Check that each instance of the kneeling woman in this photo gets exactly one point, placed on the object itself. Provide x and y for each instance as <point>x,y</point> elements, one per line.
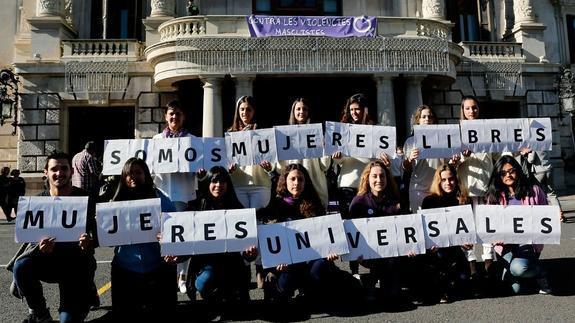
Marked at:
<point>377,196</point>
<point>222,276</point>
<point>448,265</point>
<point>296,199</point>
<point>508,185</point>
<point>143,281</point>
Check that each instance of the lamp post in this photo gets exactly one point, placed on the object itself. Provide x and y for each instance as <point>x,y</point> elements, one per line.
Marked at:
<point>9,97</point>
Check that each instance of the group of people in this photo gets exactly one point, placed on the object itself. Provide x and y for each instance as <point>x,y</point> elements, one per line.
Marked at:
<point>145,284</point>
<point>12,186</point>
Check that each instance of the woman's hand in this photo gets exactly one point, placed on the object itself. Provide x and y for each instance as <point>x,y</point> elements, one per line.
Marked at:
<point>467,246</point>
<point>282,267</point>
<point>201,173</point>
<point>336,155</point>
<point>170,259</point>
<point>266,166</point>
<point>413,155</point>
<point>454,159</point>
<point>232,168</point>
<point>434,249</point>
<point>85,241</point>
<point>332,257</point>
<point>385,159</point>
<point>411,254</point>
<point>467,153</point>
<point>47,245</point>
<point>250,253</point>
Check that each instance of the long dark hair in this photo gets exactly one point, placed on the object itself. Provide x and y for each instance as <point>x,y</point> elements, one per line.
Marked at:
<point>521,187</point>
<point>361,101</point>
<point>145,191</point>
<point>310,203</point>
<point>238,124</point>
<point>220,174</point>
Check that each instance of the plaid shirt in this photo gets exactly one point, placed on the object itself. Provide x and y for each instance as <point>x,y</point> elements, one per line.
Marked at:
<point>86,171</point>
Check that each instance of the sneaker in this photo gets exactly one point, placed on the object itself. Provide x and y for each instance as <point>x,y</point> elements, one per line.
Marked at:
<point>543,286</point>
<point>444,299</point>
<point>39,317</point>
<point>182,286</point>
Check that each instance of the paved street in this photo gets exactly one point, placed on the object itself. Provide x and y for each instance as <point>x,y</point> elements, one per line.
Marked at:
<point>558,260</point>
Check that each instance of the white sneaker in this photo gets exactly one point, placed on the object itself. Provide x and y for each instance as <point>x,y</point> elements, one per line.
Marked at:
<point>356,276</point>
<point>182,286</point>
<point>543,286</point>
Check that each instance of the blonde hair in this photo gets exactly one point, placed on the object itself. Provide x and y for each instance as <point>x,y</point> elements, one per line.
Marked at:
<point>305,102</point>
<point>390,190</point>
<point>417,115</point>
<point>435,187</point>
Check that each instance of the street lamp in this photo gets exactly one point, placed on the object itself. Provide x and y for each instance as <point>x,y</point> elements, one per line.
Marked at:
<point>9,97</point>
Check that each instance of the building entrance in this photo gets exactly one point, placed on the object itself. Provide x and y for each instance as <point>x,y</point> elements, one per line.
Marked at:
<point>327,96</point>
<point>98,124</point>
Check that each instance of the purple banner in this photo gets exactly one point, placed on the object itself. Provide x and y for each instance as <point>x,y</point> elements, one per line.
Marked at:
<point>327,26</point>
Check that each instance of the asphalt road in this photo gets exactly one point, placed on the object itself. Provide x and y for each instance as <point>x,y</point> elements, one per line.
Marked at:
<point>558,260</point>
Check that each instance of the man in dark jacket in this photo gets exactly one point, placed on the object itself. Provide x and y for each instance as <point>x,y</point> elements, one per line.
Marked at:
<point>69,264</point>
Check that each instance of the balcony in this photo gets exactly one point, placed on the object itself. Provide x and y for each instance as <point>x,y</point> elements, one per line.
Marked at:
<point>493,52</point>
<point>216,45</point>
<point>101,50</point>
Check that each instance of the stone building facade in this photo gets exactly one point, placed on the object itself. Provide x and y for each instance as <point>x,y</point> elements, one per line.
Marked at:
<point>96,70</point>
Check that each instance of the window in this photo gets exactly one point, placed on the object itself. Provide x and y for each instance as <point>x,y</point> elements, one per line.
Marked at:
<point>297,7</point>
<point>571,37</point>
<point>123,19</point>
<point>472,19</point>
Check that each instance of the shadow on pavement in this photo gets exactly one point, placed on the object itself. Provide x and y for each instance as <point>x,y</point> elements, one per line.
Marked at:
<point>560,275</point>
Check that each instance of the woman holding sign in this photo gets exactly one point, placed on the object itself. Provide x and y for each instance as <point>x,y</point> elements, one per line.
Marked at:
<point>378,196</point>
<point>253,183</point>
<point>355,111</point>
<point>179,187</point>
<point>143,281</point>
<point>447,265</point>
<point>508,185</point>
<point>422,170</point>
<point>300,114</point>
<point>474,170</point>
<point>296,199</point>
<point>220,276</point>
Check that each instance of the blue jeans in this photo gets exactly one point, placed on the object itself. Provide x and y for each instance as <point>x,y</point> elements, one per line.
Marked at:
<point>74,277</point>
<point>221,275</point>
<point>521,262</point>
<point>310,276</point>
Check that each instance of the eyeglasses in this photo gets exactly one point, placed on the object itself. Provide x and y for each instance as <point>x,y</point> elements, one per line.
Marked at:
<point>510,172</point>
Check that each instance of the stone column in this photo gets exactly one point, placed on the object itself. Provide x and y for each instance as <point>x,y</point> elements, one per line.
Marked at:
<point>385,101</point>
<point>212,121</point>
<point>529,32</point>
<point>47,8</point>
<point>413,98</point>
<point>163,8</point>
<point>523,11</point>
<point>244,85</point>
<point>433,9</point>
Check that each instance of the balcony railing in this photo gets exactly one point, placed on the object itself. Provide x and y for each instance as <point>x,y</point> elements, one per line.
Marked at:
<point>102,50</point>
<point>196,26</point>
<point>491,51</point>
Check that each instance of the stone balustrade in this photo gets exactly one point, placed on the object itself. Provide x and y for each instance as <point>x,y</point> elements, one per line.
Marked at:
<point>195,26</point>
<point>102,49</point>
<point>489,51</point>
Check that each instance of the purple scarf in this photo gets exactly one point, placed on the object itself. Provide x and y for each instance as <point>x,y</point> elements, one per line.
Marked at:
<point>167,133</point>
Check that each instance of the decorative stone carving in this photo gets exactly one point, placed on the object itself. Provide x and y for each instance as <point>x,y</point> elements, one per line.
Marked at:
<point>162,8</point>
<point>432,9</point>
<point>50,8</point>
<point>432,29</point>
<point>523,11</point>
